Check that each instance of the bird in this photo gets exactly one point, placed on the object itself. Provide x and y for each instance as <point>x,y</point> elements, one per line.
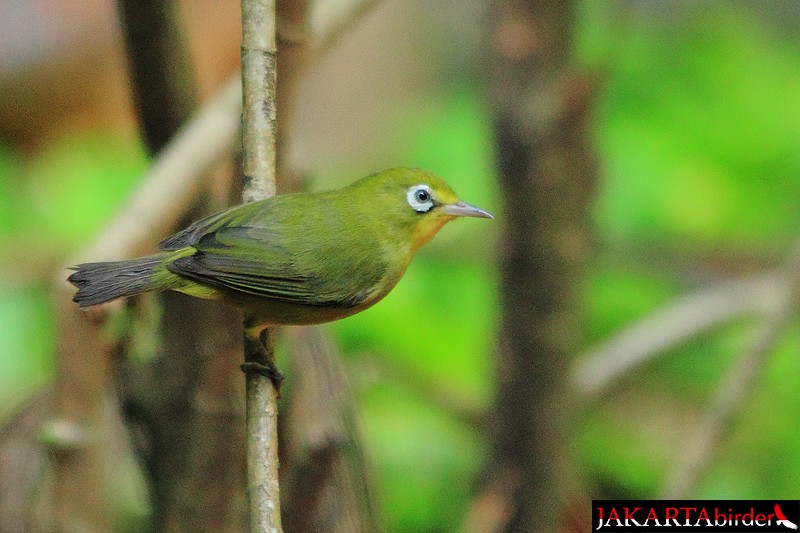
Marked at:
<point>292,259</point>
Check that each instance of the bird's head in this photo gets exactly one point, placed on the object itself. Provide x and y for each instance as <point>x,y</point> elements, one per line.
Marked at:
<point>415,204</point>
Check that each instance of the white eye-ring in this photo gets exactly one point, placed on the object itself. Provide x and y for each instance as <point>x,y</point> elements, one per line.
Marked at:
<point>420,198</point>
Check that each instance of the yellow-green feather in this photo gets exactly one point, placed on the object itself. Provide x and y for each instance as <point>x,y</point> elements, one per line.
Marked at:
<point>292,259</point>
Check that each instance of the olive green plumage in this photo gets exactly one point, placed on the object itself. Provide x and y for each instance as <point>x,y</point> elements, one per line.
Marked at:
<point>292,259</point>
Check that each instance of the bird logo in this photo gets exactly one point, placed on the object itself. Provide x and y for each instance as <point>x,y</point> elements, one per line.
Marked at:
<point>782,520</point>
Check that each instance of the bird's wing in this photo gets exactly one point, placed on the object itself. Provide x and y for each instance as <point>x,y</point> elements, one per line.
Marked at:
<point>255,260</point>
<point>190,235</point>
<point>245,259</point>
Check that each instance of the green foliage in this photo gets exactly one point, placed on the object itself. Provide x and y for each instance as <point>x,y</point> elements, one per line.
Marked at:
<point>445,340</point>
<point>425,460</point>
<point>78,183</point>
<point>614,297</point>
<point>622,451</point>
<point>10,167</point>
<point>696,126</point>
<point>27,340</point>
<point>696,123</point>
<point>450,135</point>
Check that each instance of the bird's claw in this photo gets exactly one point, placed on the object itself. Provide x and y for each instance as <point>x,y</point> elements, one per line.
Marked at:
<point>268,371</point>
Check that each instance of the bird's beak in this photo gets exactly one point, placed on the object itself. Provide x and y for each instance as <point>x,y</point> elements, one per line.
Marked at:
<point>463,209</point>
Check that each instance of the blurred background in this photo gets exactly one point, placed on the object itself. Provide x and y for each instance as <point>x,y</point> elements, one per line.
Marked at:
<point>622,330</point>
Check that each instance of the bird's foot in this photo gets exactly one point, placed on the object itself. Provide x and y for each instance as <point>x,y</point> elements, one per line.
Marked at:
<point>269,371</point>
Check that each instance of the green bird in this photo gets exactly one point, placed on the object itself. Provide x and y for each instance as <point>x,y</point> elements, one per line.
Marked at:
<point>303,258</point>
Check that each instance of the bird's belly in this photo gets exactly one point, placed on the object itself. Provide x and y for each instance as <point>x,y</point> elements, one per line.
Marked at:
<point>273,312</point>
<point>267,311</point>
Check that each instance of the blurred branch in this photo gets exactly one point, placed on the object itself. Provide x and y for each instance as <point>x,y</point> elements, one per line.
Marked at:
<point>163,197</point>
<point>328,488</point>
<point>187,418</point>
<point>162,80</point>
<point>673,324</point>
<point>84,369</point>
<point>546,172</point>
<point>259,124</point>
<point>292,36</point>
<point>79,435</point>
<point>190,425</point>
<point>735,386</point>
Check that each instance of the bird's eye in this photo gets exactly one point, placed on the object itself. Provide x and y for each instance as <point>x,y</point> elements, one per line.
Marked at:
<point>420,198</point>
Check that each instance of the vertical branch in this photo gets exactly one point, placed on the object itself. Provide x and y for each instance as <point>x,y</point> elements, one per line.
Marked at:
<point>262,437</point>
<point>545,170</point>
<point>328,486</point>
<point>259,119</point>
<point>78,435</point>
<point>259,59</point>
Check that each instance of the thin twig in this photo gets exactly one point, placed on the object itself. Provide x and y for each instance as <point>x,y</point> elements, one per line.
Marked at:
<point>259,60</point>
<point>735,386</point>
<point>673,324</point>
<point>259,52</point>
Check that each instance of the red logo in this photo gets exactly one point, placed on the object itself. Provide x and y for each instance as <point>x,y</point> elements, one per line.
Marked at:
<point>782,520</point>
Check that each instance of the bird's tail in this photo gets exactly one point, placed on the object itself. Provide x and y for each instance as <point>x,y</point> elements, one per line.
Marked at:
<point>102,282</point>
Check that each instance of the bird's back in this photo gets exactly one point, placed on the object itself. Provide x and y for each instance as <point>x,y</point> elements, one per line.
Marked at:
<point>301,254</point>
